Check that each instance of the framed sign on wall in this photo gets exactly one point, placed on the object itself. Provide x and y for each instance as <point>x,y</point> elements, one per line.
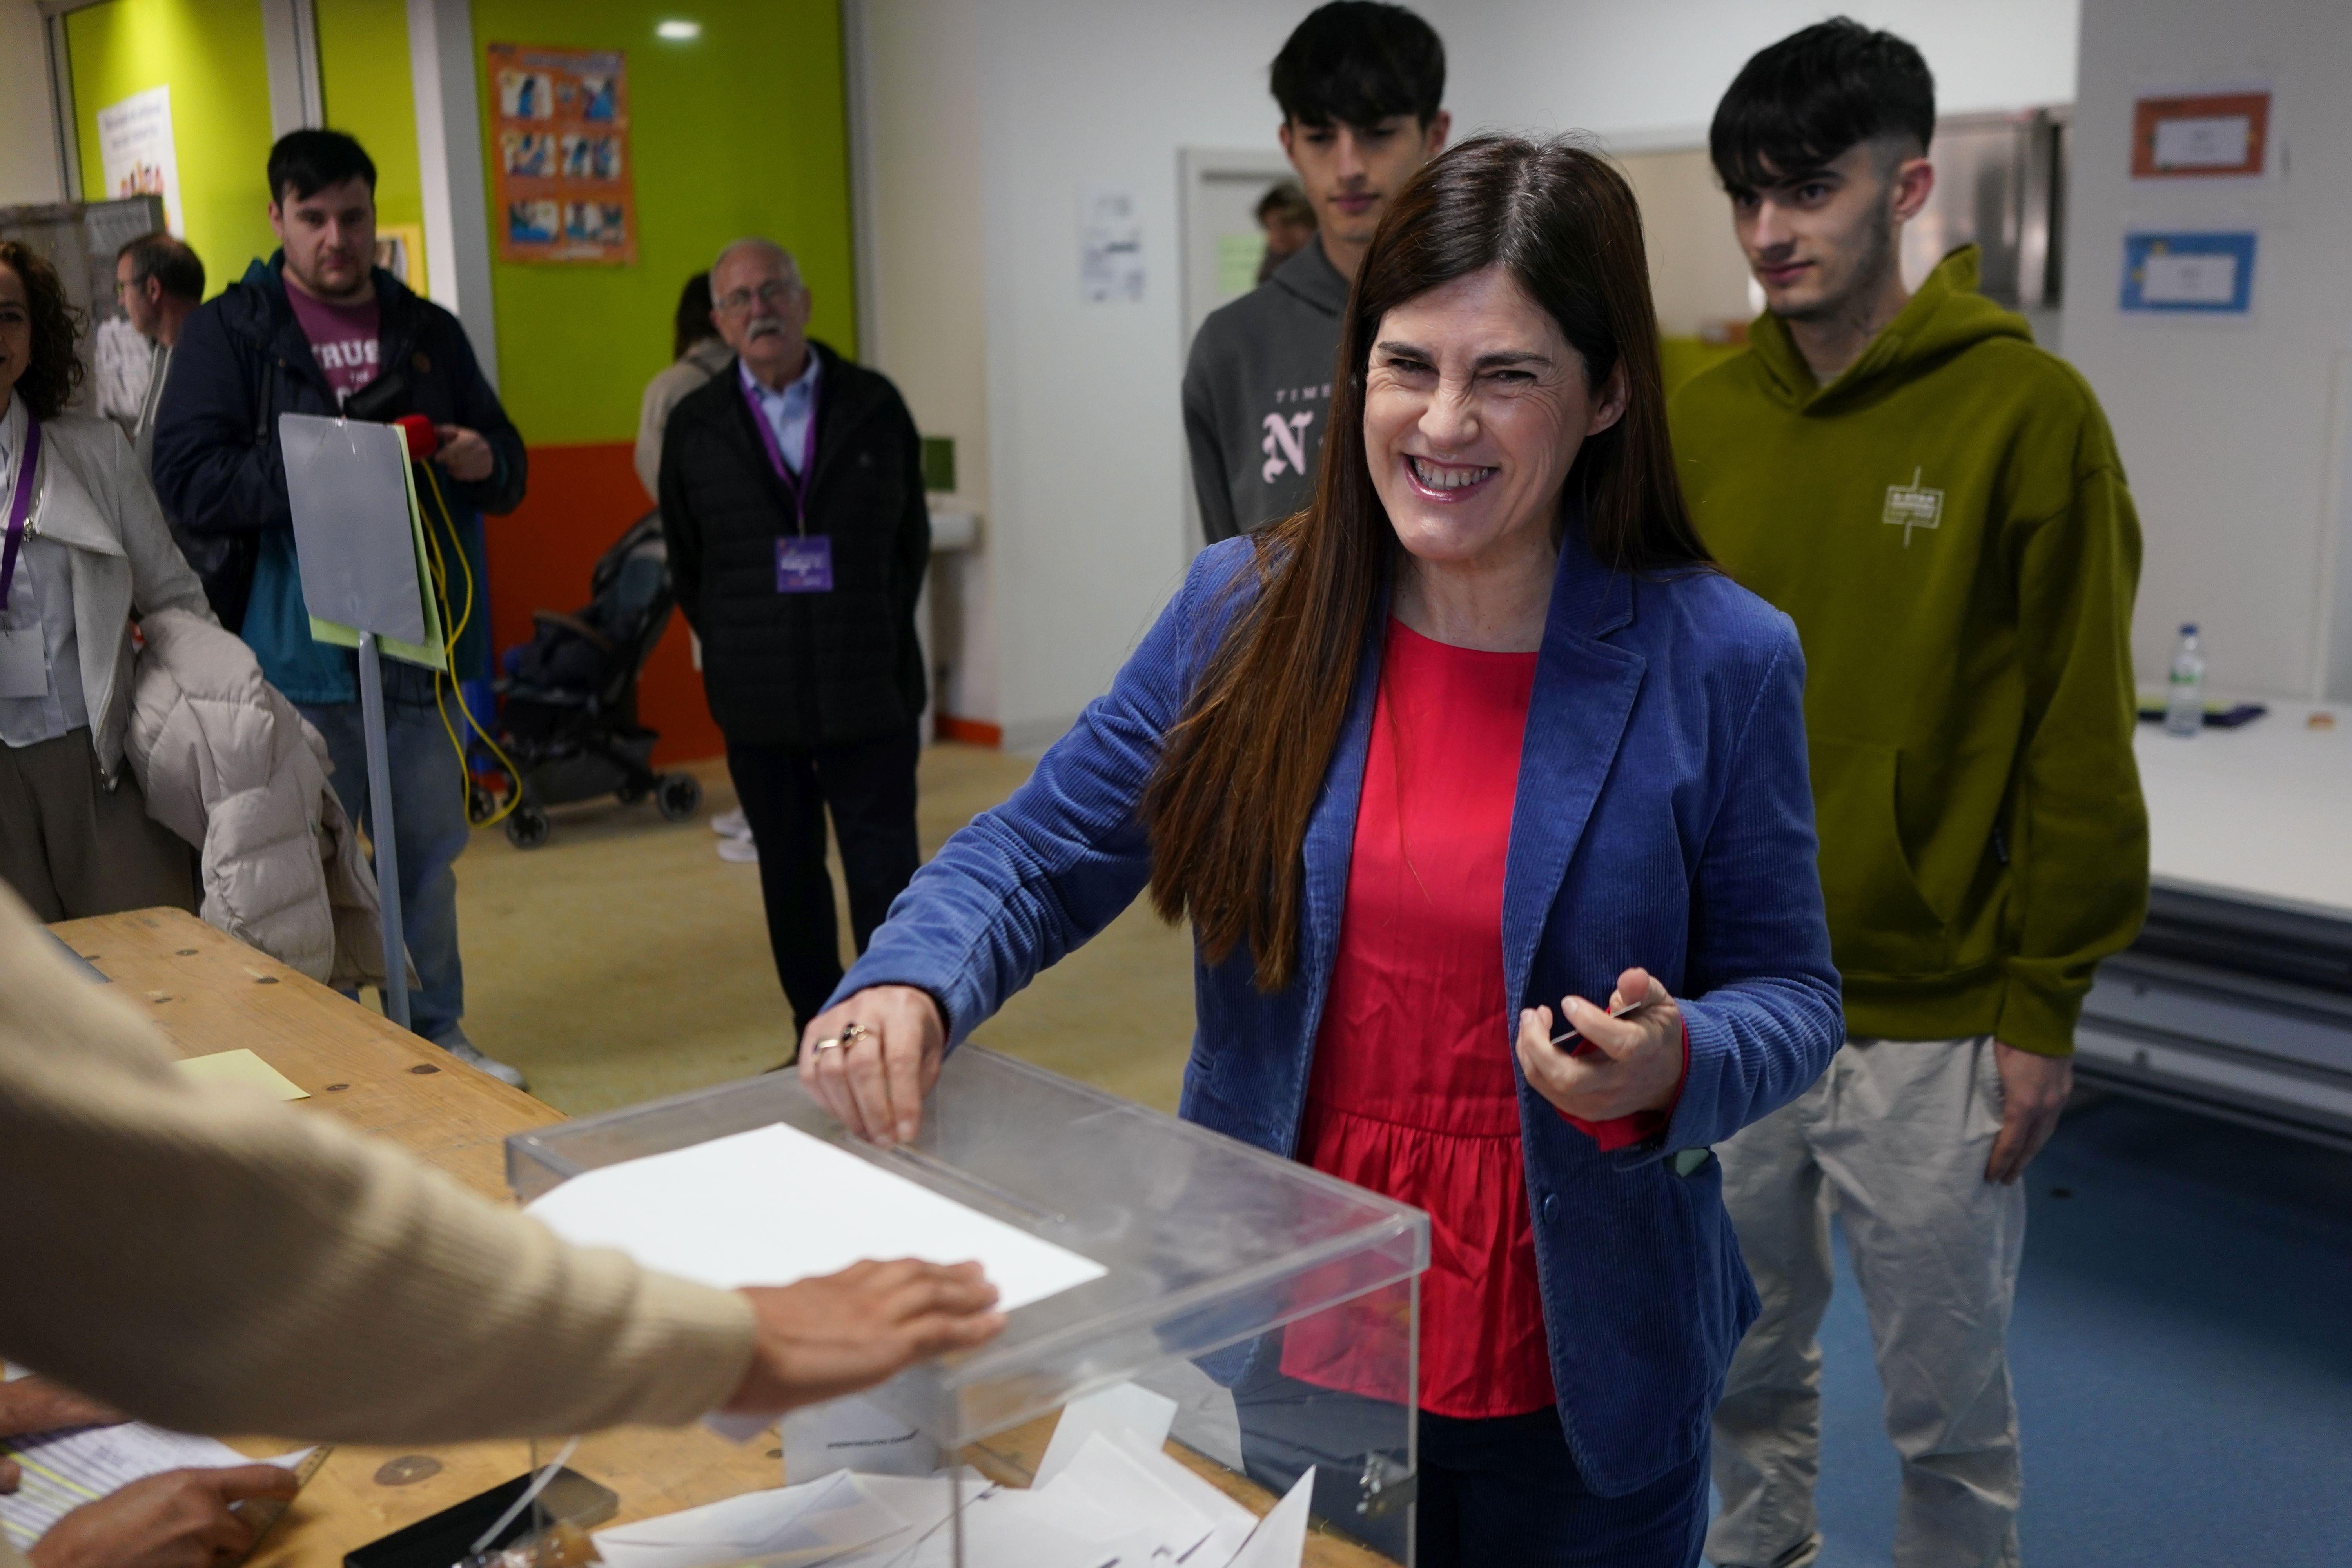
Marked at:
<point>2201,135</point>
<point>561,156</point>
<point>2202,273</point>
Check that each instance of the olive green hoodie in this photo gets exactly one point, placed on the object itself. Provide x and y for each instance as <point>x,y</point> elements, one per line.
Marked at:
<point>1947,524</point>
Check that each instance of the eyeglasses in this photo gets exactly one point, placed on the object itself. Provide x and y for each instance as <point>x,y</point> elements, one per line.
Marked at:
<point>773,293</point>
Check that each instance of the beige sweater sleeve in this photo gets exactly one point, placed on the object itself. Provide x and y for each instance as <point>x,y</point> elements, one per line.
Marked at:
<point>212,1261</point>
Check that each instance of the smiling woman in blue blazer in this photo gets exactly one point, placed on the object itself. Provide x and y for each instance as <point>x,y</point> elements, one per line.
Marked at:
<point>1479,730</point>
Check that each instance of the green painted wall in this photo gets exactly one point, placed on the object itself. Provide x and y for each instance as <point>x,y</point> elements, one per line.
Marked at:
<point>210,53</point>
<point>363,76</point>
<point>742,130</point>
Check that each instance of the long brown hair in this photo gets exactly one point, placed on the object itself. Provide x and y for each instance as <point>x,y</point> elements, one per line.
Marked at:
<point>54,372</point>
<point>1238,777</point>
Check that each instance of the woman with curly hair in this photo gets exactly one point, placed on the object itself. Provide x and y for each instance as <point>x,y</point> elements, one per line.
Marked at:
<point>86,548</point>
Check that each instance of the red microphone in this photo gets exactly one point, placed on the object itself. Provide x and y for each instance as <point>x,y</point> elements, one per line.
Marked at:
<point>422,440</point>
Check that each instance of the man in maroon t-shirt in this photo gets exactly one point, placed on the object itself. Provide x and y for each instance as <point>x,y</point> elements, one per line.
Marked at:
<point>330,285</point>
<point>329,237</point>
<point>344,337</point>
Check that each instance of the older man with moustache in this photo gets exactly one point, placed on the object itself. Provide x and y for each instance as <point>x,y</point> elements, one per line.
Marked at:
<point>792,495</point>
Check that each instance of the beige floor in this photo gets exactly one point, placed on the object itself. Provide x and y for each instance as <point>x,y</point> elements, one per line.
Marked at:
<point>623,960</point>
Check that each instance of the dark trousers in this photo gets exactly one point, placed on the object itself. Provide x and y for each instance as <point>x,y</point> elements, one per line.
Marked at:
<point>1496,1493</point>
<point>72,848</point>
<point>785,791</point>
<point>1505,1493</point>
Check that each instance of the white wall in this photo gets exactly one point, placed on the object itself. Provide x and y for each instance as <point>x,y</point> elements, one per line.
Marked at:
<point>1651,73</point>
<point>1085,473</point>
<point>2232,431</point>
<point>1086,433</point>
<point>923,311</point>
<point>29,147</point>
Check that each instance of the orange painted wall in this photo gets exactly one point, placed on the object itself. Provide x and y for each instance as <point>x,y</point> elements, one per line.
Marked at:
<point>581,499</point>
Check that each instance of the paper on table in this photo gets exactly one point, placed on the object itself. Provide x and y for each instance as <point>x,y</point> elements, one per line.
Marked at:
<point>855,1434</point>
<point>925,1503</point>
<point>1206,1421</point>
<point>774,1204</point>
<point>1120,1407</point>
<point>813,1522</point>
<point>1108,1477</point>
<point>1280,1539</point>
<point>1227,1517</point>
<point>63,1470</point>
<point>1230,1523</point>
<point>1010,1529</point>
<point>1004,1527</point>
<point>243,1067</point>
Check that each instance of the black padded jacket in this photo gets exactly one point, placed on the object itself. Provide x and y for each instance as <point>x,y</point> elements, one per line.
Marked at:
<point>800,669</point>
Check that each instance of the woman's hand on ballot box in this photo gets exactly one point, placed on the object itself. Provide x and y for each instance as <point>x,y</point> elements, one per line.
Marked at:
<point>836,1334</point>
<point>871,1058</point>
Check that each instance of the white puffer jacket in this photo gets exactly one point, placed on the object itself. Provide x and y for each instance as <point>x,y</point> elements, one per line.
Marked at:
<point>228,765</point>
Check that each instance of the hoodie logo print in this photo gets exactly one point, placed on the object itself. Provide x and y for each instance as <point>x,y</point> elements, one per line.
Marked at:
<point>1909,506</point>
<point>1285,444</point>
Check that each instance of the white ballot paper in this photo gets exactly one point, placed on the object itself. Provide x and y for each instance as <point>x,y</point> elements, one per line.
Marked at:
<point>856,1435</point>
<point>63,1470</point>
<point>1120,1406</point>
<point>774,1204</point>
<point>1117,1505</point>
<point>1280,1539</point>
<point>815,1523</point>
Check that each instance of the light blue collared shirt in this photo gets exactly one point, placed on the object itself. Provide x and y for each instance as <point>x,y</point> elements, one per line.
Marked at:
<point>40,600</point>
<point>787,411</point>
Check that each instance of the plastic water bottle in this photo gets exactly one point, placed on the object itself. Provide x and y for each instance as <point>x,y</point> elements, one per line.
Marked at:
<point>2184,708</point>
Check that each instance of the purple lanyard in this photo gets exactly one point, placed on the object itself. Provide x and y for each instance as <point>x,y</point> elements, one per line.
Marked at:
<point>20,503</point>
<point>799,488</point>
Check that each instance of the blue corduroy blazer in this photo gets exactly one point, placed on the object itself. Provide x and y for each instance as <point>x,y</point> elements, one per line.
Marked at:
<point>1663,817</point>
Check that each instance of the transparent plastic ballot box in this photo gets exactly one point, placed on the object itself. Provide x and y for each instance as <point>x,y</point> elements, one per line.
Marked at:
<point>1273,1307</point>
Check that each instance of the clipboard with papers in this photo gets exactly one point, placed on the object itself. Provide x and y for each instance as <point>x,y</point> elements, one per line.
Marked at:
<point>360,544</point>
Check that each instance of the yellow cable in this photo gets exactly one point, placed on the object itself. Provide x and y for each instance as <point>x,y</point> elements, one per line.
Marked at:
<point>451,631</point>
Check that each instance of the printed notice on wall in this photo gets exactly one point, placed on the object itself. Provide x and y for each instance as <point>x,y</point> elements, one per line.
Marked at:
<point>2203,273</point>
<point>2201,135</point>
<point>136,156</point>
<point>562,156</point>
<point>1110,246</point>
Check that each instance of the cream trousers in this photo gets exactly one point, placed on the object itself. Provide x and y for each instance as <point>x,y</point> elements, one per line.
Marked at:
<point>1894,1138</point>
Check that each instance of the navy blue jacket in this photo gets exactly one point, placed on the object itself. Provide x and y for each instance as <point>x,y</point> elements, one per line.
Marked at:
<point>1663,819</point>
<point>241,362</point>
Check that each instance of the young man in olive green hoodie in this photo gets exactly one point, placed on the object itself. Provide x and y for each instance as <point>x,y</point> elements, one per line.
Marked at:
<point>1937,504</point>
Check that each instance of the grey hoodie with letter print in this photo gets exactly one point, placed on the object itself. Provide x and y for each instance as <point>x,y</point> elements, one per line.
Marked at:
<point>1258,391</point>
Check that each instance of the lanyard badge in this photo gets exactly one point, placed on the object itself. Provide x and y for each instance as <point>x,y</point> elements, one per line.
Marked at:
<point>20,504</point>
<point>804,561</point>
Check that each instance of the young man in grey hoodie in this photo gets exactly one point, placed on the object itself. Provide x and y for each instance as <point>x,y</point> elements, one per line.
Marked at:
<point>1359,84</point>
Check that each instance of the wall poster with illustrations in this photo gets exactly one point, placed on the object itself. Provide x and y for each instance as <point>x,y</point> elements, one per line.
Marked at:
<point>561,154</point>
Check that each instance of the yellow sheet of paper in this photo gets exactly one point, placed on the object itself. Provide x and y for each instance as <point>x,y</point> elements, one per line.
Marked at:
<point>434,653</point>
<point>242,1067</point>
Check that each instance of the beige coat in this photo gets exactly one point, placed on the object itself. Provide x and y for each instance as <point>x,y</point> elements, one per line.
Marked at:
<point>673,381</point>
<point>209,1259</point>
<point>228,764</point>
<point>90,496</point>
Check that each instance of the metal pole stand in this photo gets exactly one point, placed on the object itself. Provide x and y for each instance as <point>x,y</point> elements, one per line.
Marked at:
<point>388,853</point>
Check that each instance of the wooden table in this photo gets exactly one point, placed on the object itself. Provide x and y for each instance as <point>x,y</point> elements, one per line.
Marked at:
<point>208,992</point>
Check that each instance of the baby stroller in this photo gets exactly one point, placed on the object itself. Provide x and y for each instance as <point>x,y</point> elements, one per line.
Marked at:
<point>569,714</point>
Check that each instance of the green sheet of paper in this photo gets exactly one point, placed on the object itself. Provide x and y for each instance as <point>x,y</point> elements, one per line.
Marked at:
<point>435,652</point>
<point>242,1067</point>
